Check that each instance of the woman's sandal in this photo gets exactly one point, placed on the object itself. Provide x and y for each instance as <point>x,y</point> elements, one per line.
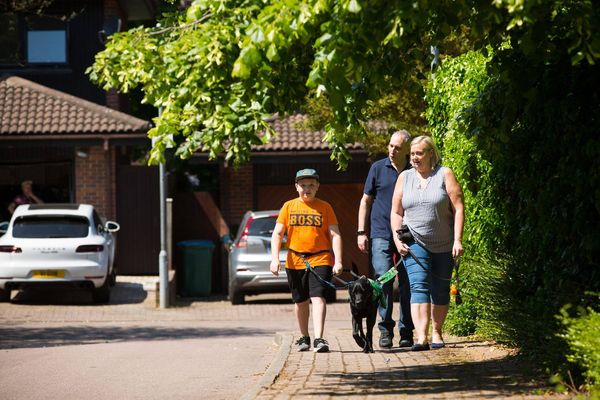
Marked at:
<point>419,347</point>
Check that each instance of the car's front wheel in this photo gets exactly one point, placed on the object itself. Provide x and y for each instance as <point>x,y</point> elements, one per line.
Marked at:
<point>4,295</point>
<point>236,296</point>
<point>101,295</point>
<point>112,279</point>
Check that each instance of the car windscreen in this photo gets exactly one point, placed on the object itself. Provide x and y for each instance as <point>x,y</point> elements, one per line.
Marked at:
<point>262,226</point>
<point>50,226</point>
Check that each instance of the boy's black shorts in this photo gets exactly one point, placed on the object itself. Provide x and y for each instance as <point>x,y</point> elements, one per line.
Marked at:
<point>304,284</point>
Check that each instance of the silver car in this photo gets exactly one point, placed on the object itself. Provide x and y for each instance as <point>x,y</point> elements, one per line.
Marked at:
<point>250,258</point>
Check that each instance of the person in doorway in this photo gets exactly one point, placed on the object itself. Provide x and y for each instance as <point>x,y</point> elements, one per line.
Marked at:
<point>312,235</point>
<point>376,203</point>
<point>26,197</point>
<point>429,201</point>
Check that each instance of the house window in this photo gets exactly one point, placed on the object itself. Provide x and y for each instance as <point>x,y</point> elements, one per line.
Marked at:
<point>46,40</point>
<point>32,40</point>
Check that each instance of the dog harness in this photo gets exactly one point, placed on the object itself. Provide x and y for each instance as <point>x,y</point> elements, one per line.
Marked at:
<point>378,292</point>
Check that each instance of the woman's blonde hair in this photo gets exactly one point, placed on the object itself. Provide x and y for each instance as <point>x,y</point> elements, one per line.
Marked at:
<point>435,156</point>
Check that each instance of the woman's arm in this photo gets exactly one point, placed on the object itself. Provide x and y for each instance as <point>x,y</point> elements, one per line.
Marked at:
<point>458,206</point>
<point>397,215</point>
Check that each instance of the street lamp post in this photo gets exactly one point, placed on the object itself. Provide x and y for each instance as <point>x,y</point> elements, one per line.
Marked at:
<point>163,272</point>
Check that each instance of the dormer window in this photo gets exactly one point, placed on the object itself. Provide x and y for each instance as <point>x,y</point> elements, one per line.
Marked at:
<point>33,40</point>
<point>46,41</point>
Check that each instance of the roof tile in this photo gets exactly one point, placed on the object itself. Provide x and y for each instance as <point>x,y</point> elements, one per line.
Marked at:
<point>28,108</point>
<point>291,135</point>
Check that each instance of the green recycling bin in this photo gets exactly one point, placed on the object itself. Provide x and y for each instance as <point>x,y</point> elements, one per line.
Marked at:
<point>197,267</point>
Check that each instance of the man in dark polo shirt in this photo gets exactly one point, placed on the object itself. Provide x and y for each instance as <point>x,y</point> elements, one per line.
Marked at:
<point>377,236</point>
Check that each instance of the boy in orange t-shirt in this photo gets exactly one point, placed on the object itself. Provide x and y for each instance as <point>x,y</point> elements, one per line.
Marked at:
<point>312,230</point>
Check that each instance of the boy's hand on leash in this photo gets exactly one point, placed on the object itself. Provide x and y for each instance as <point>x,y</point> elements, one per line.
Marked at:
<point>275,267</point>
<point>338,268</point>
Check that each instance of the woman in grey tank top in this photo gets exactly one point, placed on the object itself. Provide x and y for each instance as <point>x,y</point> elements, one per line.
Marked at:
<point>429,200</point>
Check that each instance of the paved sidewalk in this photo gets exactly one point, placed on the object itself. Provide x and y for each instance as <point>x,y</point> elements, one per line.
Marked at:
<point>462,370</point>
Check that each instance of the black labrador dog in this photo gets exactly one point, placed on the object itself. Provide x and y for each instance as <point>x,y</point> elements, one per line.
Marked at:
<point>363,305</point>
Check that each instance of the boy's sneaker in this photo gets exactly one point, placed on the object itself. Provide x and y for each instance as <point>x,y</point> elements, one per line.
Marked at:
<point>303,343</point>
<point>321,345</point>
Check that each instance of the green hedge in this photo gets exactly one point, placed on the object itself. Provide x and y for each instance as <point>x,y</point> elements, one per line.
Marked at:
<point>523,140</point>
<point>582,333</point>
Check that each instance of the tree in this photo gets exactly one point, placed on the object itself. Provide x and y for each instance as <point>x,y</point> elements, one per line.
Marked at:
<point>220,69</point>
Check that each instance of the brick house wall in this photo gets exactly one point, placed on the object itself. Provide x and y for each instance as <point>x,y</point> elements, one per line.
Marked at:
<point>95,181</point>
<point>237,192</point>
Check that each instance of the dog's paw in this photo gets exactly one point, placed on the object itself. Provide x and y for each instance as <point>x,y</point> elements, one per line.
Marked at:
<point>368,348</point>
<point>361,342</point>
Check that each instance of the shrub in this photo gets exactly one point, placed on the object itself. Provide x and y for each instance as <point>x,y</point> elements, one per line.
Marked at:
<point>582,333</point>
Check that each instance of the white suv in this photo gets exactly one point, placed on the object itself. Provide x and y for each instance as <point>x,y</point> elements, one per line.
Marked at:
<point>49,244</point>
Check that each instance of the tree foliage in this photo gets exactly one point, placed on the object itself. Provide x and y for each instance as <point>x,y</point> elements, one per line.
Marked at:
<point>221,68</point>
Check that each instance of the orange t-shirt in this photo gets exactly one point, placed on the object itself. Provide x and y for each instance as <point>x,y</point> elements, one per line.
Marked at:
<point>307,226</point>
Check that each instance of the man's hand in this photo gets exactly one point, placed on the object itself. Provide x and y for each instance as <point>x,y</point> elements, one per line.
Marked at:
<point>275,267</point>
<point>363,243</point>
<point>338,268</point>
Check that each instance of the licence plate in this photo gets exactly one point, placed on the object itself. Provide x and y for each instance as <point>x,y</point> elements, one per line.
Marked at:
<point>48,274</point>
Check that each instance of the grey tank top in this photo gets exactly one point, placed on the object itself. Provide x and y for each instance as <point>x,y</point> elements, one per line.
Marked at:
<point>428,211</point>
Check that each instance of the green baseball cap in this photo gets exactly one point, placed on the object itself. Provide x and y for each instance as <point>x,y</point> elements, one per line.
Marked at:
<point>306,173</point>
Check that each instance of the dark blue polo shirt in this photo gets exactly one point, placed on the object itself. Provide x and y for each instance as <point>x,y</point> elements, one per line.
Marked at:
<point>380,184</point>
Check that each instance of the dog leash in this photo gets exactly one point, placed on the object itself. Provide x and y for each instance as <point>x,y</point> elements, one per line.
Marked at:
<point>418,261</point>
<point>377,285</point>
<point>309,268</point>
<point>405,235</point>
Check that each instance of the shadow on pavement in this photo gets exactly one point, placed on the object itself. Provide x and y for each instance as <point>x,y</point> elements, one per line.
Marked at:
<point>36,337</point>
<point>121,293</point>
<point>250,300</point>
<point>480,380</point>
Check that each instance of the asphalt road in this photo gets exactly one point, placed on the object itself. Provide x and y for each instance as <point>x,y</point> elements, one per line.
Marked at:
<point>60,346</point>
